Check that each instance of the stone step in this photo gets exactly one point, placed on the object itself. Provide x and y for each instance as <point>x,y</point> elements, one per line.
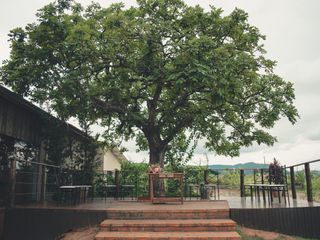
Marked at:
<point>169,214</point>
<point>174,225</point>
<point>168,235</point>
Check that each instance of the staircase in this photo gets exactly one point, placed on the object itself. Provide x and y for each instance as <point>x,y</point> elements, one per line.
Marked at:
<point>168,222</point>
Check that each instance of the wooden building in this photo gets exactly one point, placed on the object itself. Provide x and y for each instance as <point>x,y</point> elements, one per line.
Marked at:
<point>35,148</point>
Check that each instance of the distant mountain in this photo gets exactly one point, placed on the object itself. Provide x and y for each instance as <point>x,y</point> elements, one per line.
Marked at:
<point>251,165</point>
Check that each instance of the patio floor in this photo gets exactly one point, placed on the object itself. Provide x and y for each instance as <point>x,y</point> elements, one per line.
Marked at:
<point>224,202</point>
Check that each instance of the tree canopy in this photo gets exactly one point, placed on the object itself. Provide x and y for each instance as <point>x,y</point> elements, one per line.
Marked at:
<point>162,72</point>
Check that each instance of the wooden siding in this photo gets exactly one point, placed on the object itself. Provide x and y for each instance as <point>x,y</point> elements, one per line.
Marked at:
<point>18,122</point>
<point>2,212</point>
<point>39,224</point>
<point>302,221</point>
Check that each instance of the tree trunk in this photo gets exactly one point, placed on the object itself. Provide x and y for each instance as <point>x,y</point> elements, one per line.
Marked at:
<point>157,155</point>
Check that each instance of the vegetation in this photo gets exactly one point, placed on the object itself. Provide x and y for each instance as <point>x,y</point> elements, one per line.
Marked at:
<point>276,174</point>
<point>136,174</point>
<point>163,73</point>
<point>300,181</point>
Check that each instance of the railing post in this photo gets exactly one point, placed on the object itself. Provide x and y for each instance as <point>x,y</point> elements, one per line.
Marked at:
<point>117,182</point>
<point>293,183</point>
<point>262,173</point>
<point>12,184</point>
<point>242,194</point>
<point>308,181</point>
<point>262,182</point>
<point>205,191</point>
<point>205,176</point>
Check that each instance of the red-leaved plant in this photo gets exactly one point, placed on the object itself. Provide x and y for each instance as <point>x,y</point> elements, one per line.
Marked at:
<point>275,172</point>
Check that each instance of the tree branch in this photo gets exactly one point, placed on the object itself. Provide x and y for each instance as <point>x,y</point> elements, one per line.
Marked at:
<point>109,107</point>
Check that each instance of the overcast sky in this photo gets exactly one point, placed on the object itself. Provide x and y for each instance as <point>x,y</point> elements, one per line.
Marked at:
<point>293,40</point>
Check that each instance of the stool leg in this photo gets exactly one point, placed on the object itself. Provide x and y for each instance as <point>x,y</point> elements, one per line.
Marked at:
<point>279,196</point>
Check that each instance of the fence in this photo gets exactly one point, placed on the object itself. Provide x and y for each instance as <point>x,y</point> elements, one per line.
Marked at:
<point>29,181</point>
<point>35,181</point>
<point>305,183</point>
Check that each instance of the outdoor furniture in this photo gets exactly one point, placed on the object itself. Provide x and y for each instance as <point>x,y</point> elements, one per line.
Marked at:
<point>269,188</point>
<point>68,194</point>
<point>162,176</point>
<point>109,188</point>
<point>118,191</point>
<point>203,189</point>
<point>195,187</point>
<point>210,188</point>
<point>73,194</point>
<point>126,189</point>
<point>84,192</point>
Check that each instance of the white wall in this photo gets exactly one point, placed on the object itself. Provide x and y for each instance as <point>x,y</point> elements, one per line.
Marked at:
<point>109,160</point>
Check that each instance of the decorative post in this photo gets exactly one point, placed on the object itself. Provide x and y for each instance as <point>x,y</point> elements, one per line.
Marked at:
<point>293,183</point>
<point>308,181</point>
<point>242,194</point>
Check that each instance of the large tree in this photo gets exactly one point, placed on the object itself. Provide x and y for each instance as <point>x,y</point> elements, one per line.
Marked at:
<point>161,72</point>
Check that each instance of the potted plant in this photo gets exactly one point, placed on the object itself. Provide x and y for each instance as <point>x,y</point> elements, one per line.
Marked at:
<point>275,175</point>
<point>155,168</point>
<point>275,172</point>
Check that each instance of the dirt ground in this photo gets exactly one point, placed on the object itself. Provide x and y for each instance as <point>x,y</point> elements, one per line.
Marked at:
<point>247,233</point>
<point>81,234</point>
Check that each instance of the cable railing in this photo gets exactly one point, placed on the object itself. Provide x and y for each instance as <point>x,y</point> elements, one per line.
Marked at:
<point>305,183</point>
<point>36,181</point>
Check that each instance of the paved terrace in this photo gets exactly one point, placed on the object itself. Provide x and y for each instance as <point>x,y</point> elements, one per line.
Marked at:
<point>232,202</point>
<point>299,218</point>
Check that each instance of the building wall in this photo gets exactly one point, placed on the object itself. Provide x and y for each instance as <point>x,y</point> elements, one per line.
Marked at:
<point>2,212</point>
<point>19,123</point>
<point>109,162</point>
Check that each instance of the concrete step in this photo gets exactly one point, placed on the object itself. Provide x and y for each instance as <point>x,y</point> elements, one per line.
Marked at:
<point>164,225</point>
<point>169,214</point>
<point>168,235</point>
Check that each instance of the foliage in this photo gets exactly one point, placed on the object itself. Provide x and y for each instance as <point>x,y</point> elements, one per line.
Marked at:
<point>100,180</point>
<point>230,178</point>
<point>159,72</point>
<point>300,179</point>
<point>7,148</point>
<point>135,174</point>
<point>194,174</point>
<point>73,150</point>
<point>315,179</point>
<point>180,152</point>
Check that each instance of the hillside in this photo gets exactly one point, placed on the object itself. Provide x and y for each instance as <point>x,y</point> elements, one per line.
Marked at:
<point>250,165</point>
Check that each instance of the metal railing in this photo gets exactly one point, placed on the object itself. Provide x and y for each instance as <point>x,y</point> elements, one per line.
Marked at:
<point>311,180</point>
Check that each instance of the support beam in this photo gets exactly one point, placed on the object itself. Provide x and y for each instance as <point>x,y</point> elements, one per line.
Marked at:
<point>308,181</point>
<point>12,184</point>
<point>242,193</point>
<point>117,182</point>
<point>293,183</point>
